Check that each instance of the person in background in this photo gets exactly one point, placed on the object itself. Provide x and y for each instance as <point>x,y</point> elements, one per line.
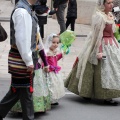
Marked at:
<point>116,11</point>
<point>24,41</point>
<point>42,11</point>
<point>60,5</point>
<point>16,1</point>
<point>71,14</point>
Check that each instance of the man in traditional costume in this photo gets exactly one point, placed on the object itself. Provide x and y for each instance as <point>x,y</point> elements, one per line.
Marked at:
<point>23,56</point>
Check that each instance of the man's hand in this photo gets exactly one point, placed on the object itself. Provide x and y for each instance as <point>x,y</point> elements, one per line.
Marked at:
<point>30,68</point>
<point>56,9</point>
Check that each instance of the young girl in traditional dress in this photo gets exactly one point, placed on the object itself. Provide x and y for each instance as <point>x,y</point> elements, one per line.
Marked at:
<point>55,81</point>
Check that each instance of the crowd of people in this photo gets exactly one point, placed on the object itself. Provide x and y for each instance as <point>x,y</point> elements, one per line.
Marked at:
<point>36,80</point>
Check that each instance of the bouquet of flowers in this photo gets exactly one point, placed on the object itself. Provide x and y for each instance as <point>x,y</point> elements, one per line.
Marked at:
<point>117,33</point>
<point>67,39</point>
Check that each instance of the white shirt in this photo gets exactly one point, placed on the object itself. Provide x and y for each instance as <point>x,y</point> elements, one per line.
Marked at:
<point>23,31</point>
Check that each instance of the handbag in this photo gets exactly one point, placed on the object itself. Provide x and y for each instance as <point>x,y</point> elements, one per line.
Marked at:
<point>3,34</point>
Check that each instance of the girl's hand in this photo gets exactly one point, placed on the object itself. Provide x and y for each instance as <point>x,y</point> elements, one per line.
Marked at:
<point>64,52</point>
<point>99,56</point>
<point>46,69</point>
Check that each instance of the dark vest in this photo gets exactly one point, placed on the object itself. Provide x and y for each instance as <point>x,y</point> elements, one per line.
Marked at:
<point>24,4</point>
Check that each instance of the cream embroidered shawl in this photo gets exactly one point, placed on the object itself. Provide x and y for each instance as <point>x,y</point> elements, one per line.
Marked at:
<point>93,41</point>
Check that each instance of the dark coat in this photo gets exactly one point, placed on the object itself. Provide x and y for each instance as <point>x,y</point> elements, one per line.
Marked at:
<point>16,1</point>
<point>58,2</point>
<point>72,9</point>
<point>119,21</point>
<point>40,10</point>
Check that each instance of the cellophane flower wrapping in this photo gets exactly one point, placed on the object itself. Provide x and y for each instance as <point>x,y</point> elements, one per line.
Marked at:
<point>67,38</point>
<point>117,33</point>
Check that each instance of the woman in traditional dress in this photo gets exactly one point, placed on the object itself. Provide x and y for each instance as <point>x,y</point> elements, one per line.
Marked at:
<point>96,71</point>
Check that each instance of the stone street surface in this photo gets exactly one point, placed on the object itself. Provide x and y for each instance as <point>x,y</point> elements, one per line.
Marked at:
<point>71,106</point>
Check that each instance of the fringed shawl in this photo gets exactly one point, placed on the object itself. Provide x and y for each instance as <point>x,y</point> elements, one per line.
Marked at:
<point>93,42</point>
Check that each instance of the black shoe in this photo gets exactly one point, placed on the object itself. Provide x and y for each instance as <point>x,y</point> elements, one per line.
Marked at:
<point>110,102</point>
<point>1,118</point>
<point>87,99</point>
<point>55,103</point>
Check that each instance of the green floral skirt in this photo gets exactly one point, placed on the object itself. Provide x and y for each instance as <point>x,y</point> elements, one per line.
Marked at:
<point>41,94</point>
<point>91,83</point>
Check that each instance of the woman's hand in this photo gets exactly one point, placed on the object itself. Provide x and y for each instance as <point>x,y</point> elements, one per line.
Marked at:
<point>99,56</point>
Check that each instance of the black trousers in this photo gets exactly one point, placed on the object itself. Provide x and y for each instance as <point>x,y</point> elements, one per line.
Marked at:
<point>26,100</point>
<point>70,21</point>
<point>41,31</point>
<point>16,1</point>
